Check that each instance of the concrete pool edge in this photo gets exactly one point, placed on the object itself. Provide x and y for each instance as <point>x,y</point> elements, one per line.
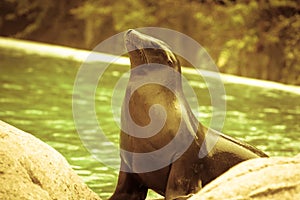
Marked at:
<point>80,55</point>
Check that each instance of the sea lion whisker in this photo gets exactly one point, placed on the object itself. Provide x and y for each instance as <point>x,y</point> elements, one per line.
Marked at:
<point>143,56</point>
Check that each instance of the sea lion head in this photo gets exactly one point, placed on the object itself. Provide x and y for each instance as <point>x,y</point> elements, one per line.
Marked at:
<point>144,49</point>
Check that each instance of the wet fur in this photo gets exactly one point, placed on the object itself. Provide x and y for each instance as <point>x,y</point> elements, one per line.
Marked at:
<point>189,173</point>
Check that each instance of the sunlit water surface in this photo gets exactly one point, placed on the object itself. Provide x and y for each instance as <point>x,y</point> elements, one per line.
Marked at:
<point>36,96</point>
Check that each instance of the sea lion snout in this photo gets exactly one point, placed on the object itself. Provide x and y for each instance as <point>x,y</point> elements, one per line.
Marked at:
<point>144,49</point>
<point>134,38</point>
<point>142,41</point>
<point>128,31</point>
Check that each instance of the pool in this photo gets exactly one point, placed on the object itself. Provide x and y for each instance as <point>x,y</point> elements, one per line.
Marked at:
<point>36,91</point>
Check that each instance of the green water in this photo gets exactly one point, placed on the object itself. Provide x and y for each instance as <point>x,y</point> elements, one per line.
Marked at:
<point>36,96</point>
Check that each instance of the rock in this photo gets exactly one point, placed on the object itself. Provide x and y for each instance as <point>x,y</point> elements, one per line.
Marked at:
<point>31,170</point>
<point>261,178</point>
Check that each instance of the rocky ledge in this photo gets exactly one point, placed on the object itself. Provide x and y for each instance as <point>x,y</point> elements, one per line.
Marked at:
<point>258,179</point>
<point>31,170</point>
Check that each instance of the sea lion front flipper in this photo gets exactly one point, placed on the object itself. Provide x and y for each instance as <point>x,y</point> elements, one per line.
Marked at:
<point>184,177</point>
<point>129,188</point>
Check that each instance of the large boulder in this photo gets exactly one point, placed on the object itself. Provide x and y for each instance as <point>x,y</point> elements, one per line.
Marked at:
<point>31,170</point>
<point>258,179</point>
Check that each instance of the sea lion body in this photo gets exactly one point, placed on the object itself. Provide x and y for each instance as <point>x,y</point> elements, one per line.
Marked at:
<point>189,170</point>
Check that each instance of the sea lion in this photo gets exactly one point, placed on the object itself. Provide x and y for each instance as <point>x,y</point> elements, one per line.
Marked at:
<point>186,170</point>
